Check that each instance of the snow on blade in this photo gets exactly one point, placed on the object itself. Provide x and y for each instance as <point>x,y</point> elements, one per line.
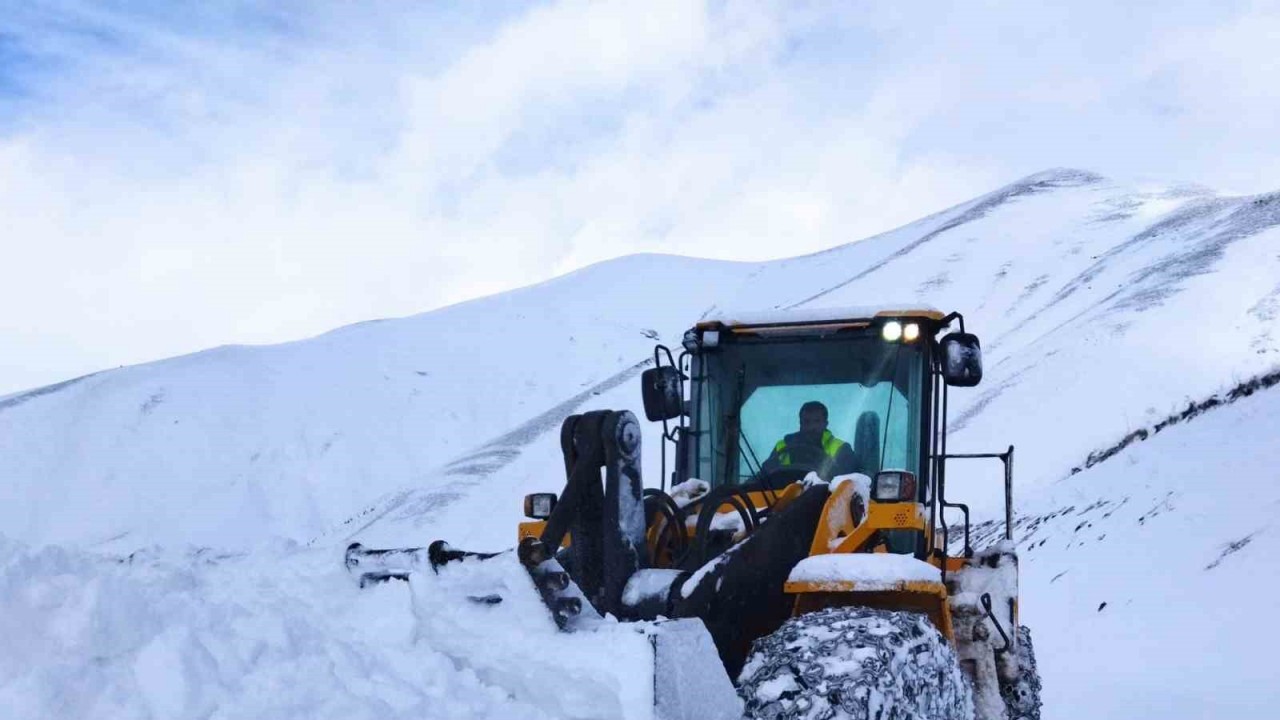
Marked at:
<point>514,645</point>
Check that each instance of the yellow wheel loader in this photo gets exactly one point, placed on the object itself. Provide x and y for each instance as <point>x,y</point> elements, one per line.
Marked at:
<point>806,534</point>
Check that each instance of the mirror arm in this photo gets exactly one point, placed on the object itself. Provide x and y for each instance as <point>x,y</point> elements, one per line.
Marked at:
<point>953,316</point>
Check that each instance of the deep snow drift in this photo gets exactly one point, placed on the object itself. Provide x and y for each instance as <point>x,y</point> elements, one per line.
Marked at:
<point>233,478</point>
<point>285,633</point>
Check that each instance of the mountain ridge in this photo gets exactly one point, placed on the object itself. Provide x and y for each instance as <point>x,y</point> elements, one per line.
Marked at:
<point>291,439</point>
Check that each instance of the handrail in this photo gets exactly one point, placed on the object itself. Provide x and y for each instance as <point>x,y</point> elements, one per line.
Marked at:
<point>1006,458</point>
<point>942,492</point>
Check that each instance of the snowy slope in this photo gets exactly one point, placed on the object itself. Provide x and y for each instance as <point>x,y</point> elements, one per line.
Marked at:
<point>1102,309</point>
<point>238,444</point>
<point>1149,578</point>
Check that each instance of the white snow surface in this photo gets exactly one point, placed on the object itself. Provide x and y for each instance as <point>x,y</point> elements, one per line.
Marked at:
<point>515,646</point>
<point>234,478</point>
<point>1147,579</point>
<point>280,633</point>
<point>868,571</point>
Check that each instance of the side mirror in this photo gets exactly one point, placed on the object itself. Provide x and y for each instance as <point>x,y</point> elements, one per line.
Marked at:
<point>660,387</point>
<point>961,359</point>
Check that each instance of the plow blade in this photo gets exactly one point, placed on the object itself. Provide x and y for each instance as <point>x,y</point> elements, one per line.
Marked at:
<point>689,681</point>
<point>563,598</point>
<point>478,608</point>
<point>374,566</point>
<point>482,610</point>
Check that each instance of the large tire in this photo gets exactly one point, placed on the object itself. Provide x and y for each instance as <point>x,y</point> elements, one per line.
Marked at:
<point>855,663</point>
<point>1022,694</point>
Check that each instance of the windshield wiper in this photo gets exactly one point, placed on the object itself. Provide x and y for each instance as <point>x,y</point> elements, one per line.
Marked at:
<point>750,459</point>
<point>742,440</point>
<point>733,434</point>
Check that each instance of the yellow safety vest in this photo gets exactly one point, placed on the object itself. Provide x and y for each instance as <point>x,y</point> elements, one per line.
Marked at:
<point>830,446</point>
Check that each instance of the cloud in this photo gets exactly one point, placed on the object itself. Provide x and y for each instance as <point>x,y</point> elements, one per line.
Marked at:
<point>185,175</point>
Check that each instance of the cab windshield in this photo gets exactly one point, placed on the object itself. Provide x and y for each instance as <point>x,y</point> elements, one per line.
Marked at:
<point>752,391</point>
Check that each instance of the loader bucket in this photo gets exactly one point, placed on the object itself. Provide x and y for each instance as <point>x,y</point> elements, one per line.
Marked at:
<point>689,681</point>
<point>486,615</point>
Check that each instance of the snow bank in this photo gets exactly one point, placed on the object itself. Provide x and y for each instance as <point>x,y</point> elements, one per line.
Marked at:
<point>282,635</point>
<point>868,571</point>
<point>605,672</point>
<point>286,633</point>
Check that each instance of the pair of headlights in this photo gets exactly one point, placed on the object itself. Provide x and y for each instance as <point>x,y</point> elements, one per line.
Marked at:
<point>893,331</point>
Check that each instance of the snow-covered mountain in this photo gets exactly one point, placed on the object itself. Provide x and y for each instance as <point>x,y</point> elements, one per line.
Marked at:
<point>232,478</point>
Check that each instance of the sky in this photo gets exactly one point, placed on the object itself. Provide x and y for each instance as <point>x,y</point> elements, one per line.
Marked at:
<point>181,175</point>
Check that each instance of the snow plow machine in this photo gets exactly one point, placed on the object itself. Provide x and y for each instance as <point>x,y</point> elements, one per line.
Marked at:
<point>810,569</point>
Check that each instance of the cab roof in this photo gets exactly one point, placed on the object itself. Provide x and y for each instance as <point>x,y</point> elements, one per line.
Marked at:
<point>818,316</point>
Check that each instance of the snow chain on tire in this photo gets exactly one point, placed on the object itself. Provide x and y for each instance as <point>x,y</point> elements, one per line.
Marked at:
<point>855,663</point>
<point>1022,695</point>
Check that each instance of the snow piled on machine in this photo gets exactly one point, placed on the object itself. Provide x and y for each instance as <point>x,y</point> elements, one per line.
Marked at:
<point>871,571</point>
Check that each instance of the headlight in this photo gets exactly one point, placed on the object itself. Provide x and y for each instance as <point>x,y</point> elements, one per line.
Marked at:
<point>892,331</point>
<point>894,486</point>
<point>538,506</point>
<point>910,332</point>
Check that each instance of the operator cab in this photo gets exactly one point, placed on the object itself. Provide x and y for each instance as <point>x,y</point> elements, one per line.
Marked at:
<point>869,371</point>
<point>750,382</point>
<point>747,391</point>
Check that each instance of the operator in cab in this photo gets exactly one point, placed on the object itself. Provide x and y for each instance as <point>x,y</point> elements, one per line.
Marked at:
<point>814,446</point>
